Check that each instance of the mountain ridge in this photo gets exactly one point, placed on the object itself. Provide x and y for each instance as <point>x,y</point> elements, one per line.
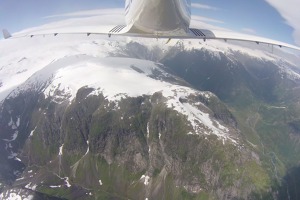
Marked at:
<point>143,125</point>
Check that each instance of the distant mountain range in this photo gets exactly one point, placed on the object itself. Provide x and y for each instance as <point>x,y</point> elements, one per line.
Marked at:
<point>119,118</point>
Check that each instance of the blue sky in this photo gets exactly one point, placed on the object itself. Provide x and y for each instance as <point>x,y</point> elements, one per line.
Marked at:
<point>260,17</point>
<point>252,16</point>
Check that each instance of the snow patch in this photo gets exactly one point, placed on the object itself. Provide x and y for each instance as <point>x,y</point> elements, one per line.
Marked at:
<point>14,125</point>
<point>14,137</point>
<point>88,149</point>
<point>12,155</point>
<point>54,186</point>
<point>61,150</point>
<point>18,159</point>
<point>146,179</point>
<point>33,187</point>
<point>200,121</point>
<point>10,123</point>
<point>15,194</point>
<point>207,95</point>
<point>100,182</point>
<point>18,122</point>
<point>67,182</point>
<point>31,133</point>
<point>19,179</point>
<point>148,131</point>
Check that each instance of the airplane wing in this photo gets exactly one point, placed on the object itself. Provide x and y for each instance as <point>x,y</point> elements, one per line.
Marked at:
<point>226,35</point>
<point>88,30</point>
<point>123,30</point>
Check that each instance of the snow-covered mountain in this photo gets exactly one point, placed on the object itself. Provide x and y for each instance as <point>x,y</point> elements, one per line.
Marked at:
<point>66,65</point>
<point>98,117</point>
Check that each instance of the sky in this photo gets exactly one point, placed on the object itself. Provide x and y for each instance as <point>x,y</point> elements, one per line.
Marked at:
<point>275,19</point>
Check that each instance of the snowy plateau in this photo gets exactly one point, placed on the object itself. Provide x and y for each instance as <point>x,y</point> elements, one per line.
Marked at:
<point>56,70</point>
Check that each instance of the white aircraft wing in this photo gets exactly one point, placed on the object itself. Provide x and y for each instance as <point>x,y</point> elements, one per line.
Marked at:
<point>122,30</point>
<point>88,30</point>
<point>226,35</point>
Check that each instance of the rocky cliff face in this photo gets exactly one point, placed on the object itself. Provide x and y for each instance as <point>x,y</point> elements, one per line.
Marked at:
<point>91,121</point>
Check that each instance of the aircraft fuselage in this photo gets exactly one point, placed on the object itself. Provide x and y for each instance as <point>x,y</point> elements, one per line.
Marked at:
<point>158,16</point>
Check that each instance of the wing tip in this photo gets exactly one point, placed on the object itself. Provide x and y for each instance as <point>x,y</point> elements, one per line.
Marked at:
<point>6,34</point>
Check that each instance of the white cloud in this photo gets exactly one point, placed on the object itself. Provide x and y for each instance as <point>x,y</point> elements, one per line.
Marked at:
<point>203,6</point>
<point>205,19</point>
<point>87,13</point>
<point>203,25</point>
<point>249,30</point>
<point>289,10</point>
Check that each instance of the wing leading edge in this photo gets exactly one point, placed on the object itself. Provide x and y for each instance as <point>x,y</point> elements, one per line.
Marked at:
<point>224,35</point>
<point>122,30</point>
